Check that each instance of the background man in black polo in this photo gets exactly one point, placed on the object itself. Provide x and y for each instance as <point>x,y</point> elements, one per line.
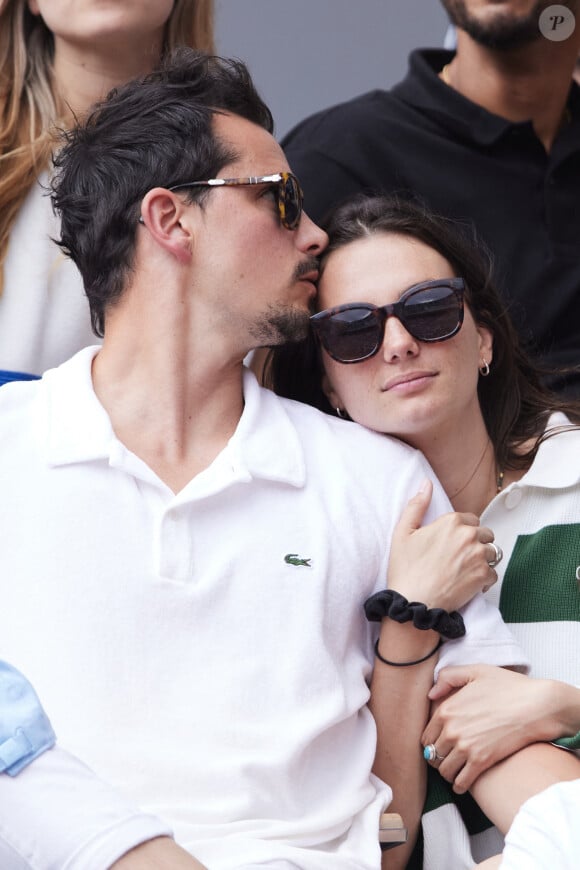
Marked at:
<point>491,134</point>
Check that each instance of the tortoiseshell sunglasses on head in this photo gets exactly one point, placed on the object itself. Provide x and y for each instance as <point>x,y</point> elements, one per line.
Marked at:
<point>289,196</point>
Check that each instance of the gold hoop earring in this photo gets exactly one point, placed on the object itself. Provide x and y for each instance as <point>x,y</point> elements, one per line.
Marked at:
<point>484,369</point>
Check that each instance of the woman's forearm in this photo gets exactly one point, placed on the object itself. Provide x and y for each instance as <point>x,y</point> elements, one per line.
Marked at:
<point>502,789</point>
<point>400,706</point>
<point>566,707</point>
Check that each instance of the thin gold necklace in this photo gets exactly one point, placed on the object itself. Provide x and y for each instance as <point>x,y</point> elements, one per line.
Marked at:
<point>473,473</point>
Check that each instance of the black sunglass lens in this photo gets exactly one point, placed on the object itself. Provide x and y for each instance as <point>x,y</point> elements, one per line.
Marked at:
<point>432,314</point>
<point>351,335</point>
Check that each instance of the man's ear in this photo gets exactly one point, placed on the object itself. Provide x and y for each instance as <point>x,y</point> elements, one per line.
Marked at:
<point>164,215</point>
<point>331,394</point>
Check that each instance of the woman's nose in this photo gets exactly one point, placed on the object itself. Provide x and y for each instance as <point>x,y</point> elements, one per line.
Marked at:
<point>398,343</point>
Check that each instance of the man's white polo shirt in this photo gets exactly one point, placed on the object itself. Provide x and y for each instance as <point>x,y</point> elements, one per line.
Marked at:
<point>207,652</point>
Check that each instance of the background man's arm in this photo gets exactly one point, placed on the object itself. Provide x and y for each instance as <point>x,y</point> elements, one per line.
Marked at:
<point>55,811</point>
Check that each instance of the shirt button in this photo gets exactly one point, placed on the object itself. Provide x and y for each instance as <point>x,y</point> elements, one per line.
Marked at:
<point>513,498</point>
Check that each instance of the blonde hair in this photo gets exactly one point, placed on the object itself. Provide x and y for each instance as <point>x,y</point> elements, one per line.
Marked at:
<point>29,109</point>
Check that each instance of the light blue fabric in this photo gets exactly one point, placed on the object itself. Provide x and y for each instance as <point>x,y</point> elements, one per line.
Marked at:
<point>25,731</point>
<point>450,40</point>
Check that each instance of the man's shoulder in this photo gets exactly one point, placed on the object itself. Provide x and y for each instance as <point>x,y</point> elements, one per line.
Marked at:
<point>17,398</point>
<point>371,473</point>
<point>26,407</point>
<point>317,429</point>
<point>22,428</point>
<point>361,112</point>
<point>325,445</point>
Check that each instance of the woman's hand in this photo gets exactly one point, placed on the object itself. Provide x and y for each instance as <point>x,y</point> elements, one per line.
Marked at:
<point>487,713</point>
<point>443,564</point>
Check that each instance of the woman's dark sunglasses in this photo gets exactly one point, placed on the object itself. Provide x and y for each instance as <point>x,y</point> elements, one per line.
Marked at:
<point>289,196</point>
<point>430,311</point>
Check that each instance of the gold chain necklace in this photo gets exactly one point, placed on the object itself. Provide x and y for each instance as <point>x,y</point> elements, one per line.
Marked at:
<point>499,479</point>
<point>473,473</point>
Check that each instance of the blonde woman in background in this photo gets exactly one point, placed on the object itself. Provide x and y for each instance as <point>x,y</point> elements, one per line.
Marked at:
<point>57,58</point>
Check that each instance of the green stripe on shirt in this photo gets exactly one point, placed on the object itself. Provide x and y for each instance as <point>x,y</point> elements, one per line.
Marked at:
<point>540,582</point>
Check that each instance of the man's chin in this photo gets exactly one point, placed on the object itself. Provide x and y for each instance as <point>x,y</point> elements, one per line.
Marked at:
<point>502,31</point>
<point>283,327</point>
<point>294,330</point>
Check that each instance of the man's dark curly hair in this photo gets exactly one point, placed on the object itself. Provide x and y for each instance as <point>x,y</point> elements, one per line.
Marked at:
<point>153,131</point>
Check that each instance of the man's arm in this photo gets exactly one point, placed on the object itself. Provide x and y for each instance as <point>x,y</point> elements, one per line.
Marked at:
<point>159,854</point>
<point>57,813</point>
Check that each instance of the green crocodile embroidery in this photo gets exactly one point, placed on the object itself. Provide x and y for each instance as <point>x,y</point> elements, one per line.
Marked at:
<point>294,559</point>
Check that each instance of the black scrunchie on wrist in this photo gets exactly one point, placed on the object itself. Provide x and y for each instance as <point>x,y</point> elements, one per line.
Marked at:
<point>395,606</point>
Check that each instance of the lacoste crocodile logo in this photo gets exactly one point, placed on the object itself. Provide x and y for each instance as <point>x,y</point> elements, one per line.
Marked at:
<point>294,559</point>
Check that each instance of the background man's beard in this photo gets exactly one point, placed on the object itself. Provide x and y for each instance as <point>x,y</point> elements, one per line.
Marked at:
<point>281,325</point>
<point>503,31</point>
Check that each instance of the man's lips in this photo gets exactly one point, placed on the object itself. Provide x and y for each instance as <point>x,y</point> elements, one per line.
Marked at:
<point>407,378</point>
<point>308,270</point>
<point>311,276</point>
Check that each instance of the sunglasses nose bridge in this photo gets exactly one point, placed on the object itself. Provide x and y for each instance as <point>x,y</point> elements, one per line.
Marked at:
<point>393,340</point>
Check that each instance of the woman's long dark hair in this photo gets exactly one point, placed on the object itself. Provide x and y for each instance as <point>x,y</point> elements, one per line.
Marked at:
<point>514,402</point>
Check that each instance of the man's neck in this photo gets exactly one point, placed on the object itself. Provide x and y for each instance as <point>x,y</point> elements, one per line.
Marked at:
<point>174,407</point>
<point>530,83</point>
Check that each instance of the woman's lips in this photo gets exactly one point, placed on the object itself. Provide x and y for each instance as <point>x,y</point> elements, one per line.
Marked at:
<point>408,382</point>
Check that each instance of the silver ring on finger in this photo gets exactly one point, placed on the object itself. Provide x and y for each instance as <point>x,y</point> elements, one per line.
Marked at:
<point>430,753</point>
<point>498,555</point>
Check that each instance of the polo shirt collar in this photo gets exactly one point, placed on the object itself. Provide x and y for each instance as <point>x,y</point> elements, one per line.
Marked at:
<point>264,445</point>
<point>423,89</point>
<point>556,465</point>
<point>266,442</point>
<point>79,429</point>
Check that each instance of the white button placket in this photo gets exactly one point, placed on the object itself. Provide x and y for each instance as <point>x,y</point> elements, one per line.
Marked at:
<point>174,545</point>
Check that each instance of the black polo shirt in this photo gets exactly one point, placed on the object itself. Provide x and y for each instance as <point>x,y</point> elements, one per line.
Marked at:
<point>466,163</point>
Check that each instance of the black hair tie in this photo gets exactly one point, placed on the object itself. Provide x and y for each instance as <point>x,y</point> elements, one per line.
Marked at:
<point>395,606</point>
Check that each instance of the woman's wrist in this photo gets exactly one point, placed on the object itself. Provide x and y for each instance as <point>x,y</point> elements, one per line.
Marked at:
<point>393,605</point>
<point>566,704</point>
<point>552,712</point>
<point>402,642</point>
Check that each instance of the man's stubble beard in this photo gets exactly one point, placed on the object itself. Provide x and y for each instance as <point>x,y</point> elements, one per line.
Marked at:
<point>281,325</point>
<point>502,32</point>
